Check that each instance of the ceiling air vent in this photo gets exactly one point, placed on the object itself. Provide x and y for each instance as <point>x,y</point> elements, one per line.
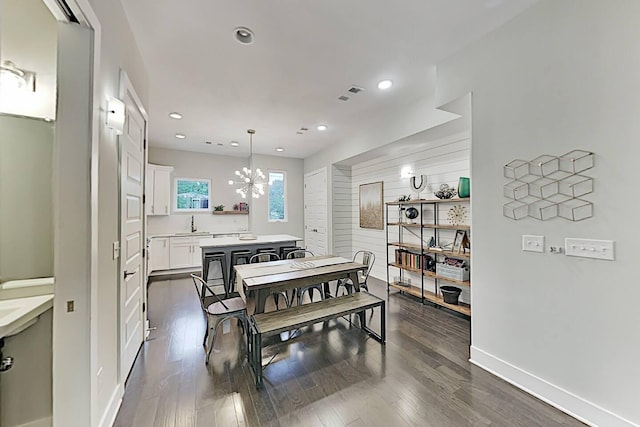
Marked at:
<point>355,89</point>
<point>344,98</point>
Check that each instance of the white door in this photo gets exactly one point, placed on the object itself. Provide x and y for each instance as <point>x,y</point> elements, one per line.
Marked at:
<point>132,238</point>
<point>315,211</point>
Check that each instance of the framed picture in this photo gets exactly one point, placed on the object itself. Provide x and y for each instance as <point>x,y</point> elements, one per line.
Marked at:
<point>461,243</point>
<point>457,242</point>
<point>371,213</point>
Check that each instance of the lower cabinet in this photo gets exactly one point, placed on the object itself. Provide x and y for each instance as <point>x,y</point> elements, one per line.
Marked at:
<point>159,254</point>
<point>183,251</point>
<point>166,253</point>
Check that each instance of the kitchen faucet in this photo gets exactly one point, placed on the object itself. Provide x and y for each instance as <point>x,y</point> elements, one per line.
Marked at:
<point>193,225</point>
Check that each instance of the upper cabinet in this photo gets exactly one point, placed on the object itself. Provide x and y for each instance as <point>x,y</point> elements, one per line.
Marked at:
<point>158,189</point>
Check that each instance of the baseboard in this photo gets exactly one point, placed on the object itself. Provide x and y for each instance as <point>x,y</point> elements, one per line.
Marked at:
<point>567,402</point>
<point>42,422</point>
<point>109,415</point>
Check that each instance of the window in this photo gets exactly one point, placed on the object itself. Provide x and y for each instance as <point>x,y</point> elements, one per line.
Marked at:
<point>192,194</point>
<point>277,197</point>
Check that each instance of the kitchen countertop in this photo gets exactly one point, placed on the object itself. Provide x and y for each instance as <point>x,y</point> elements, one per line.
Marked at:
<point>235,241</point>
<point>196,234</point>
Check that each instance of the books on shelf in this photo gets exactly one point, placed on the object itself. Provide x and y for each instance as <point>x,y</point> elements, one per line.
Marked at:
<point>414,260</point>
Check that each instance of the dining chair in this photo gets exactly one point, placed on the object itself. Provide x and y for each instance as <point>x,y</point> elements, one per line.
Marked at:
<point>217,310</point>
<point>266,257</point>
<point>361,257</point>
<point>302,253</point>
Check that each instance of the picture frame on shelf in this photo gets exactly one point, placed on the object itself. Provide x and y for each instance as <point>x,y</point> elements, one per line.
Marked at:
<point>457,241</point>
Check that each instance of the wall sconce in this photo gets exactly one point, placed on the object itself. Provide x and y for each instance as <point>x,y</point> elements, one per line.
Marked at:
<point>406,172</point>
<point>115,115</point>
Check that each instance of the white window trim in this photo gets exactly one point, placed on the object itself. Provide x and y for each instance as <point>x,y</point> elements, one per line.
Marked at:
<point>175,195</point>
<point>286,213</point>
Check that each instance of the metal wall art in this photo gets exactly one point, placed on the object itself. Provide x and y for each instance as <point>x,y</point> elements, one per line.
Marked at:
<point>549,186</point>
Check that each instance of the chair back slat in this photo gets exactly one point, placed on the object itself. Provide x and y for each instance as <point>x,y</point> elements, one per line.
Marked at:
<point>300,253</point>
<point>264,257</point>
<point>203,288</point>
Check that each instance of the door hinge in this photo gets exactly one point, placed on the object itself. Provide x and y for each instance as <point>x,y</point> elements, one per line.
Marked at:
<point>144,252</point>
<point>144,199</point>
<point>144,144</point>
<point>144,307</point>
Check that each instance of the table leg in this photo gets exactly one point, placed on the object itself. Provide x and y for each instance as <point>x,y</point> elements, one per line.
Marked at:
<point>261,300</point>
<point>354,279</point>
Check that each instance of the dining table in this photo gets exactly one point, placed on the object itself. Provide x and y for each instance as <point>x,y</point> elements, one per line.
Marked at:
<point>265,278</point>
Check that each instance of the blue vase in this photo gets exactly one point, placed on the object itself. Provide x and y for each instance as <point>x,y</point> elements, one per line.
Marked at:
<point>464,187</point>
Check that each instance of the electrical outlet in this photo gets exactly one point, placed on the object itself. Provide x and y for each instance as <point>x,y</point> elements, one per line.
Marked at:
<point>70,306</point>
<point>532,243</point>
<point>589,248</point>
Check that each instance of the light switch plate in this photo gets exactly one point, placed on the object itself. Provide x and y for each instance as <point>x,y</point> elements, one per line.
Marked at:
<point>589,248</point>
<point>116,250</point>
<point>532,243</point>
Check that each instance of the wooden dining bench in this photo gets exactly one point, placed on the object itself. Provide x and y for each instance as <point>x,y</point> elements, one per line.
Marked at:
<point>275,322</point>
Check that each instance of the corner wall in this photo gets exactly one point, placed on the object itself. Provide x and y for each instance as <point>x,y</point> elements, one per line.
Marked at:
<point>560,76</point>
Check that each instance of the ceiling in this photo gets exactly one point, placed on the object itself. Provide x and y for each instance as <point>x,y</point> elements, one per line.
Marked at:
<point>305,55</point>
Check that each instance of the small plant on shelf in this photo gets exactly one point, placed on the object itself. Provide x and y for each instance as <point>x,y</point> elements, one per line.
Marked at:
<point>218,208</point>
<point>404,198</point>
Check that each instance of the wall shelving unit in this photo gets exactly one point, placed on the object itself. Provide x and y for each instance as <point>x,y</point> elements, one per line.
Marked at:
<point>418,246</point>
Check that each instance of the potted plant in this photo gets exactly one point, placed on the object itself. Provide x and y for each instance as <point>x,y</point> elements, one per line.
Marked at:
<point>218,208</point>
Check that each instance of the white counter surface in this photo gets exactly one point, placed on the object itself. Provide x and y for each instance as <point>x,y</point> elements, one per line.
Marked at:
<point>19,313</point>
<point>196,234</point>
<point>235,241</point>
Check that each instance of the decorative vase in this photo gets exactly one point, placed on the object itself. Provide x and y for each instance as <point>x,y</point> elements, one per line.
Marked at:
<point>463,187</point>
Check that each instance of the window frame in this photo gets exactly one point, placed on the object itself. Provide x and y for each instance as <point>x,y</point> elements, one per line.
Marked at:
<point>284,195</point>
<point>175,195</point>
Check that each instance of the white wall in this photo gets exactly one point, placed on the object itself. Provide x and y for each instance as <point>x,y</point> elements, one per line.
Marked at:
<point>26,217</point>
<point>342,211</point>
<point>562,75</point>
<point>443,160</point>
<point>87,384</point>
<point>219,169</point>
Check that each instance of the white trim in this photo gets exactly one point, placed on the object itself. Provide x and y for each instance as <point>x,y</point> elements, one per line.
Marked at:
<point>567,402</point>
<point>86,16</point>
<point>109,416</point>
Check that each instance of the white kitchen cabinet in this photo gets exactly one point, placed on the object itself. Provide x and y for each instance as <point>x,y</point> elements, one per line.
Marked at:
<point>185,252</point>
<point>158,189</point>
<point>159,254</point>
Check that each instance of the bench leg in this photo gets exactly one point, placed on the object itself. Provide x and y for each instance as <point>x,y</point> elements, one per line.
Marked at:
<point>382,337</point>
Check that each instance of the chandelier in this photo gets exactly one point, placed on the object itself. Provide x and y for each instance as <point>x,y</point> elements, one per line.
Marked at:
<point>251,181</point>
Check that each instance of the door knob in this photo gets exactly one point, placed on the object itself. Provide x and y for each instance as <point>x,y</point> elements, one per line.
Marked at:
<point>127,274</point>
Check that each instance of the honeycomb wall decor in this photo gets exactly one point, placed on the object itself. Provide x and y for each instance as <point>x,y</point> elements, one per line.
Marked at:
<point>549,187</point>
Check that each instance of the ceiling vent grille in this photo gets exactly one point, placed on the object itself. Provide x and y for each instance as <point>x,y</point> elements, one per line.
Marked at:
<point>355,89</point>
<point>344,98</point>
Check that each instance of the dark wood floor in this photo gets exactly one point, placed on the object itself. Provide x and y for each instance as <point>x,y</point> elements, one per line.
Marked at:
<point>332,375</point>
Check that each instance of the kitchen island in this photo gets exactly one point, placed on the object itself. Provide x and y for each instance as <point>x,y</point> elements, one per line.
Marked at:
<point>229,244</point>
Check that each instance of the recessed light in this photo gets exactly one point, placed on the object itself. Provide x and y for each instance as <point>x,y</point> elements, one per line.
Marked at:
<point>243,35</point>
<point>180,136</point>
<point>175,115</point>
<point>322,127</point>
<point>234,143</point>
<point>385,84</point>
<point>279,149</point>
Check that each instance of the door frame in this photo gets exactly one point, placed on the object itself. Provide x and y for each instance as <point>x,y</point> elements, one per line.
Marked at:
<point>326,212</point>
<point>127,86</point>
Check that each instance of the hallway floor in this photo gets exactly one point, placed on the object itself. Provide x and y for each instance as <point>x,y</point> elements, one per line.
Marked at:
<point>332,375</point>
